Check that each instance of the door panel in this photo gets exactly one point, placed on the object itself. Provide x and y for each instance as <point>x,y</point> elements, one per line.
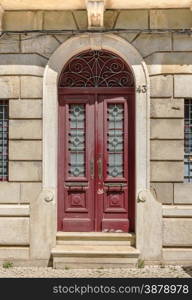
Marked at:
<point>93,165</point>
<point>76,190</point>
<point>113,185</point>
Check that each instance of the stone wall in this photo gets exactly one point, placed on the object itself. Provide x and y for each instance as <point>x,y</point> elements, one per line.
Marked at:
<point>23,57</point>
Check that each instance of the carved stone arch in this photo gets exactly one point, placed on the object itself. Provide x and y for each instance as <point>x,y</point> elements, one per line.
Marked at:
<point>60,57</point>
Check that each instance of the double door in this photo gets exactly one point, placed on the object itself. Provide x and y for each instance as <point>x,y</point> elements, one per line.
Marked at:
<point>95,162</point>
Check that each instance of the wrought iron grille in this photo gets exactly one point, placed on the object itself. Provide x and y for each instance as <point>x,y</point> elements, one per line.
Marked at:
<point>77,140</point>
<point>188,141</point>
<point>96,68</point>
<point>4,140</point>
<point>115,140</point>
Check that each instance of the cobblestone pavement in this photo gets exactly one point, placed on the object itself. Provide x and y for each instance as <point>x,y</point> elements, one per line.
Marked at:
<point>148,271</point>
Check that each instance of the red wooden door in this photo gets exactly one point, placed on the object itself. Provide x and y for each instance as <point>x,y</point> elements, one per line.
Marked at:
<point>96,179</point>
<point>94,138</point>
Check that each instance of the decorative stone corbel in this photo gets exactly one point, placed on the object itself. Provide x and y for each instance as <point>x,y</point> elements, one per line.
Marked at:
<point>95,13</point>
<point>1,18</point>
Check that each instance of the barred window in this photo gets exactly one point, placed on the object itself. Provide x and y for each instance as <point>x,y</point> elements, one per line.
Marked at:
<point>188,141</point>
<point>4,123</point>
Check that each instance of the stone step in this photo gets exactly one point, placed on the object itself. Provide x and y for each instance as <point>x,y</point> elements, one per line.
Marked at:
<point>99,238</point>
<point>94,256</point>
<point>95,242</point>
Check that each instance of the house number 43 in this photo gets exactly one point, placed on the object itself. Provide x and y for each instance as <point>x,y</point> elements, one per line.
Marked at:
<point>142,89</point>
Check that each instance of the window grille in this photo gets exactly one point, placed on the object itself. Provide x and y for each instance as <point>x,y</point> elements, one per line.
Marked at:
<point>4,122</point>
<point>188,141</point>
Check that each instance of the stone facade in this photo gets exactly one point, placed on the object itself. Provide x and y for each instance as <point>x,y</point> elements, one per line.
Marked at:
<point>23,59</point>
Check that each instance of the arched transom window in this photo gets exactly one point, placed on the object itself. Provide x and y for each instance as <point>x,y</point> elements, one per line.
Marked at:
<point>96,68</point>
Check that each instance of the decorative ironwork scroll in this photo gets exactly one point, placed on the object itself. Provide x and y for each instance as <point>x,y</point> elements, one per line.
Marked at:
<point>96,68</point>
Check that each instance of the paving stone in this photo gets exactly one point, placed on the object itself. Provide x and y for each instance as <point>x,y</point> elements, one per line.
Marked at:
<point>146,272</point>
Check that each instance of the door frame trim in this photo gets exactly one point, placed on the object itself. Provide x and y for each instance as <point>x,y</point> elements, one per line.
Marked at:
<point>132,57</point>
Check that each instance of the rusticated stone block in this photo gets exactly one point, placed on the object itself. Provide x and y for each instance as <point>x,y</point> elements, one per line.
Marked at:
<point>166,171</point>
<point>25,109</point>
<point>170,18</point>
<point>132,19</point>
<point>167,150</point>
<point>9,192</point>
<point>167,129</point>
<point>169,63</point>
<point>9,43</point>
<point>14,231</point>
<point>31,87</point>
<point>22,64</point>
<point>167,108</point>
<point>24,171</point>
<point>182,42</point>
<point>183,193</point>
<point>161,86</point>
<point>25,129</point>
<point>81,18</point>
<point>25,150</point>
<point>177,232</point>
<point>183,86</point>
<point>149,43</point>
<point>30,191</point>
<point>22,20</point>
<point>163,192</point>
<point>55,20</point>
<point>44,44</point>
<point>109,18</point>
<point>9,87</point>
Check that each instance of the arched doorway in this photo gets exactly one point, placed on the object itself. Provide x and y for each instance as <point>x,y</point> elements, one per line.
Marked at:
<point>96,165</point>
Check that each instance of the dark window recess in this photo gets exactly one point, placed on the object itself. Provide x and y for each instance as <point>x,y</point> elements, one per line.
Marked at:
<point>4,123</point>
<point>188,141</point>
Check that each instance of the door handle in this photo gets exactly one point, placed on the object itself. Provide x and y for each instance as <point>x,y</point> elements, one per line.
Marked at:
<point>100,168</point>
<point>92,168</point>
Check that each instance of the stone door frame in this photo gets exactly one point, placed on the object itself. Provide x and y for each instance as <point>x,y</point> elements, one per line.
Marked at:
<point>53,69</point>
